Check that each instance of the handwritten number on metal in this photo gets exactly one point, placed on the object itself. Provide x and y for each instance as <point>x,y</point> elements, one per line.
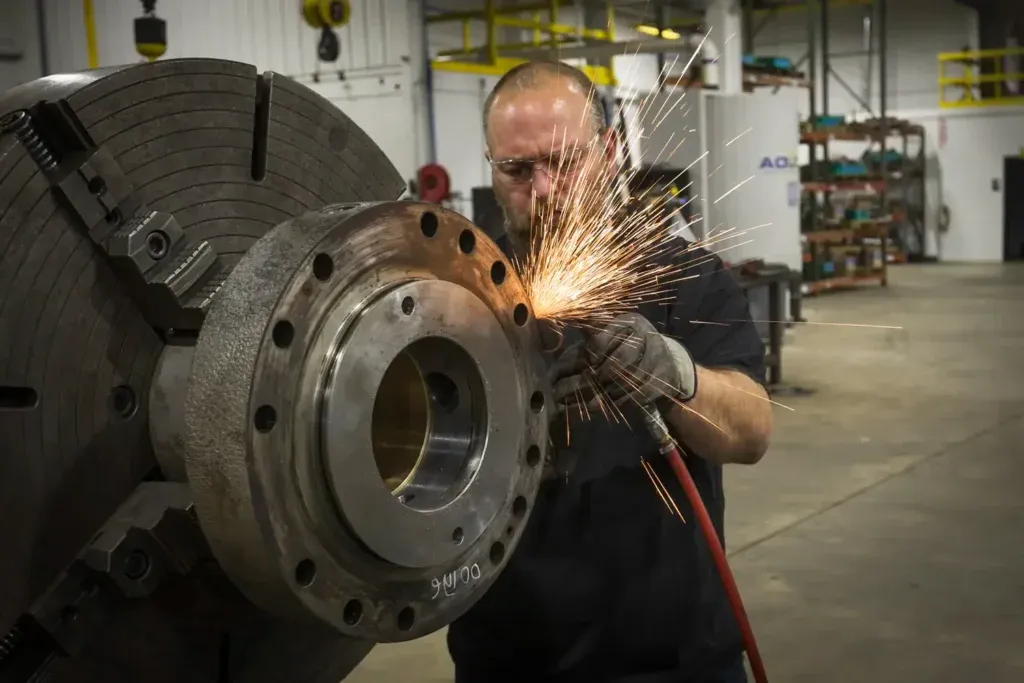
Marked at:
<point>448,584</point>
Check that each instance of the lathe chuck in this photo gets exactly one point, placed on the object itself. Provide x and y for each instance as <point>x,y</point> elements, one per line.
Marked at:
<point>256,413</point>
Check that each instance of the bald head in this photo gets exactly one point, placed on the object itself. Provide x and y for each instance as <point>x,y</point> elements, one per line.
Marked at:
<point>546,135</point>
<point>537,75</point>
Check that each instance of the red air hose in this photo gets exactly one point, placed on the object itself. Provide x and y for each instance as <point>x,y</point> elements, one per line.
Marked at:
<point>656,423</point>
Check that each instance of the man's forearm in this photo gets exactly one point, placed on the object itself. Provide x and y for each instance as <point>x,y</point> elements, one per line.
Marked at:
<point>729,419</point>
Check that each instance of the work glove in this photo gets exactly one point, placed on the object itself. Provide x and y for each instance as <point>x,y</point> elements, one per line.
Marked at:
<point>627,361</point>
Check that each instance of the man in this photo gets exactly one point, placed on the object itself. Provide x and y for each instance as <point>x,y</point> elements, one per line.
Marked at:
<point>606,584</point>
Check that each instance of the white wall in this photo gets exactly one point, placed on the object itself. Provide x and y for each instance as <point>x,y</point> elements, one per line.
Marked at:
<point>19,46</point>
<point>963,167</point>
<point>381,53</point>
<point>458,106</point>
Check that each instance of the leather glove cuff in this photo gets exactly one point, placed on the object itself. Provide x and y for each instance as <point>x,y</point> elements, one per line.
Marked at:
<point>686,369</point>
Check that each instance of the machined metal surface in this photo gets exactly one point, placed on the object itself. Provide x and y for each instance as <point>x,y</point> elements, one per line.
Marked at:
<point>367,418</point>
<point>167,392</point>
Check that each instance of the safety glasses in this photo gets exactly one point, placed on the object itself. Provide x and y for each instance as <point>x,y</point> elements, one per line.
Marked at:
<point>563,163</point>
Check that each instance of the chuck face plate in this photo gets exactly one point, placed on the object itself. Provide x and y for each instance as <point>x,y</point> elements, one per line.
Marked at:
<point>224,151</point>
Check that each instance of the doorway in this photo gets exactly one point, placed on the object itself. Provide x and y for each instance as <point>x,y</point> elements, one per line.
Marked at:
<point>1013,209</point>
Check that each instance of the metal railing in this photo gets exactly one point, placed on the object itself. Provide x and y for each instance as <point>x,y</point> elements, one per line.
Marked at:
<point>988,78</point>
<point>493,58</point>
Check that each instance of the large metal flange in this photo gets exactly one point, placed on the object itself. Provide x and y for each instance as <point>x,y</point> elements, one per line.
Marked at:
<point>367,418</point>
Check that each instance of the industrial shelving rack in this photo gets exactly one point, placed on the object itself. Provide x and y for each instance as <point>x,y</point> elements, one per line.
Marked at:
<point>891,230</point>
<point>848,249</point>
<point>905,176</point>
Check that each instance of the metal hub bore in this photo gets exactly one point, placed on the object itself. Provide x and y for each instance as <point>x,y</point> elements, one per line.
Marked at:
<point>380,418</point>
<point>406,385</point>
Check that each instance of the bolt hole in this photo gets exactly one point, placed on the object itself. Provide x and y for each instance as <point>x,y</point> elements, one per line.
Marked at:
<point>97,186</point>
<point>458,535</point>
<point>18,398</point>
<point>265,419</point>
<point>323,267</point>
<point>406,618</point>
<point>467,242</point>
<point>353,612</point>
<point>123,402</point>
<point>157,244</point>
<point>428,224</point>
<point>408,305</point>
<point>497,553</point>
<point>519,507</point>
<point>509,531</point>
<point>283,334</point>
<point>114,217</point>
<point>537,401</point>
<point>68,614</point>
<point>305,573</point>
<point>521,314</point>
<point>498,272</point>
<point>533,456</point>
<point>136,565</point>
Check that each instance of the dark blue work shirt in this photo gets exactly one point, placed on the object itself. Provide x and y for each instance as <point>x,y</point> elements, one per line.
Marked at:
<point>605,584</point>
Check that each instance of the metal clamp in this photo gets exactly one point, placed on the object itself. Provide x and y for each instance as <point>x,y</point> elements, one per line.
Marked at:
<point>171,278</point>
<point>153,535</point>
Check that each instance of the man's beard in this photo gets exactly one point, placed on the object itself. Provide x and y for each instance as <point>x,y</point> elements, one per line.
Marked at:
<point>547,214</point>
<point>523,230</point>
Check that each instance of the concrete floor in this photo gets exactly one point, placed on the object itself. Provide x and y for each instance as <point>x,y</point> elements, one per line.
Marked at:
<point>882,537</point>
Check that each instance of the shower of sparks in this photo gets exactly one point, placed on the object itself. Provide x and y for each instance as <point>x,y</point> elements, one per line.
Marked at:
<point>734,188</point>
<point>739,136</point>
<point>598,254</point>
<point>661,489</point>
